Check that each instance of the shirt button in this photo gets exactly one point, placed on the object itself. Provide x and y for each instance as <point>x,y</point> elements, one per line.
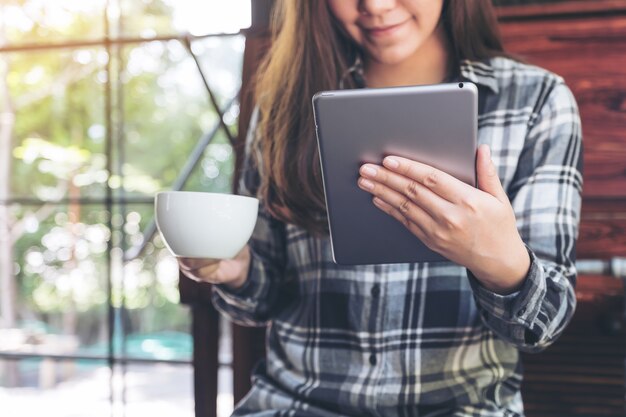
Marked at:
<point>373,359</point>
<point>521,312</point>
<point>375,290</point>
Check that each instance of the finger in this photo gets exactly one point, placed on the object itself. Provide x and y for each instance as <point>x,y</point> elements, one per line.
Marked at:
<point>441,183</point>
<point>487,175</point>
<point>415,228</point>
<point>425,198</point>
<point>188,264</point>
<point>206,273</point>
<point>400,203</point>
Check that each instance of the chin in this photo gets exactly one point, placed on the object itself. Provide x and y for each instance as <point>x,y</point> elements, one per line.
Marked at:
<point>392,57</point>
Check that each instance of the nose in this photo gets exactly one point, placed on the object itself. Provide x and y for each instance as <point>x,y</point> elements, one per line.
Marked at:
<point>376,7</point>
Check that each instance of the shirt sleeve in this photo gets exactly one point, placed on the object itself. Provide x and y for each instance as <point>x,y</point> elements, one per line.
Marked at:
<point>546,197</point>
<point>253,303</point>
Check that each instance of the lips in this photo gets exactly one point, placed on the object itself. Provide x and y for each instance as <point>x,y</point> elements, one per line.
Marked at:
<point>383,30</point>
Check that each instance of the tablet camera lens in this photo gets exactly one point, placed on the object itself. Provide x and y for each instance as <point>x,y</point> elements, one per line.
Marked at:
<point>460,85</point>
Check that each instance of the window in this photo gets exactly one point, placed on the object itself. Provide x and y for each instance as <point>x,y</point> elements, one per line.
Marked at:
<point>102,104</point>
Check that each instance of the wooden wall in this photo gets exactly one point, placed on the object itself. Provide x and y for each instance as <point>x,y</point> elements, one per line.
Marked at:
<point>582,374</point>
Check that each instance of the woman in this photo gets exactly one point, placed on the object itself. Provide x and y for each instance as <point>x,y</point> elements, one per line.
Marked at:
<point>438,339</point>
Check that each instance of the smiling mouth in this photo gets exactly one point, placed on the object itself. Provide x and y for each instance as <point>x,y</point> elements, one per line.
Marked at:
<point>384,30</point>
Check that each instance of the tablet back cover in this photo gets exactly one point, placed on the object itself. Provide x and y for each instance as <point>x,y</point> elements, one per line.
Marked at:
<point>433,124</point>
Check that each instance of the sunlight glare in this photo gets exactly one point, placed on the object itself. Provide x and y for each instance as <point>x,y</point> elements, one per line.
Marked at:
<point>210,16</point>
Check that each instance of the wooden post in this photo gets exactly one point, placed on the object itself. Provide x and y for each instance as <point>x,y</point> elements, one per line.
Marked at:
<point>205,331</point>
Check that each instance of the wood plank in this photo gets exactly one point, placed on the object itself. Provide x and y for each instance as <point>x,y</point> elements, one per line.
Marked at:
<point>601,239</point>
<point>580,49</point>
<point>557,10</point>
<point>538,369</point>
<point>574,361</point>
<point>552,408</point>
<point>602,230</point>
<point>598,390</point>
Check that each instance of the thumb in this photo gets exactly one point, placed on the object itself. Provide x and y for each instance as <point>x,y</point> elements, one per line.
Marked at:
<point>487,175</point>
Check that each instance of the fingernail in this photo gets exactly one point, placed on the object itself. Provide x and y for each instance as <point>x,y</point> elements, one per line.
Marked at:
<point>391,163</point>
<point>369,171</point>
<point>366,183</point>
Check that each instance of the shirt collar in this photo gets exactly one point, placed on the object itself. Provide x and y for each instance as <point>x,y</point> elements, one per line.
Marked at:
<point>478,72</point>
<point>356,72</point>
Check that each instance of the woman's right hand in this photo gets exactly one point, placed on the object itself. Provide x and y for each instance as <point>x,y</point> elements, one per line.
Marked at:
<point>230,272</point>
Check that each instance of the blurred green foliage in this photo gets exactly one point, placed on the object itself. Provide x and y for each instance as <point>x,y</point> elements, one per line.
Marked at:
<point>65,253</point>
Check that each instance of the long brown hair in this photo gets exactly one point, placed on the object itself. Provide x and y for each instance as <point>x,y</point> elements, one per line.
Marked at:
<point>310,52</point>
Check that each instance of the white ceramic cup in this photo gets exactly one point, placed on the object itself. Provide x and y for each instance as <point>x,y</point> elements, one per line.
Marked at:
<point>205,225</point>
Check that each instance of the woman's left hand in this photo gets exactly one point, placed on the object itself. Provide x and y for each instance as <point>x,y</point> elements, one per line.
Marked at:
<point>474,227</point>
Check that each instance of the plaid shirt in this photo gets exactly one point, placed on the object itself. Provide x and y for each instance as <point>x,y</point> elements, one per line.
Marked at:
<point>423,339</point>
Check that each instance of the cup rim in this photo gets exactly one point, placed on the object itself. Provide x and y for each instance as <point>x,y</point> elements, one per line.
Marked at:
<point>205,193</point>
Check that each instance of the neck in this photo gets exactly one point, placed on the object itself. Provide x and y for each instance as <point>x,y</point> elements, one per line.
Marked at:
<point>430,64</point>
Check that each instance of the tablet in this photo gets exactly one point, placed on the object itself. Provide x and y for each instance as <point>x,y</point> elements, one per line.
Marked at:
<point>433,124</point>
